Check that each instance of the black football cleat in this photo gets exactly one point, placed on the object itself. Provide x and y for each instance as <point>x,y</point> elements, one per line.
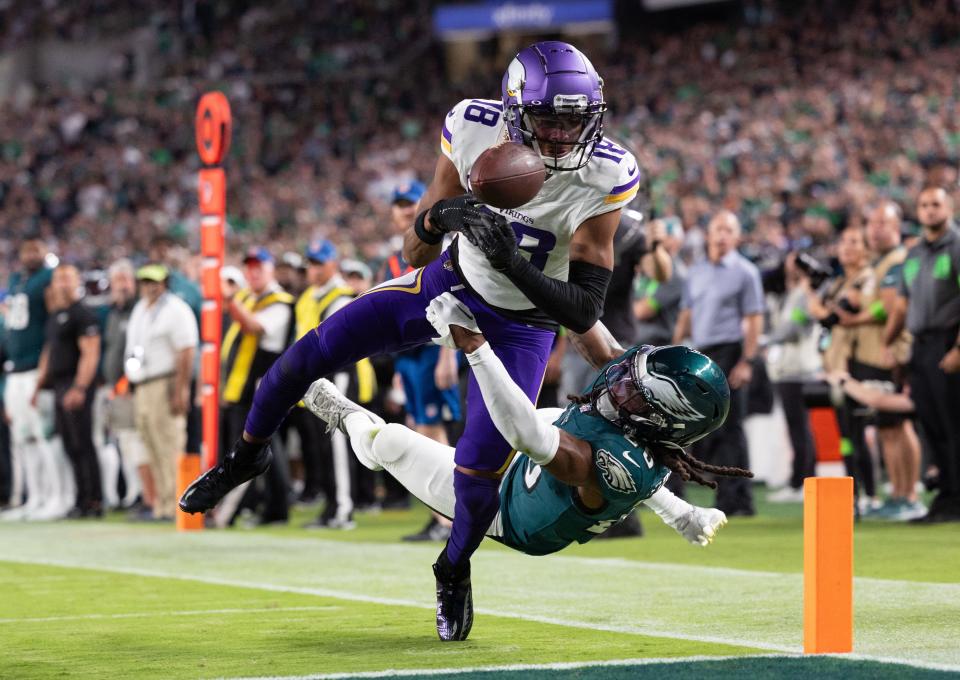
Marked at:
<point>454,600</point>
<point>244,462</point>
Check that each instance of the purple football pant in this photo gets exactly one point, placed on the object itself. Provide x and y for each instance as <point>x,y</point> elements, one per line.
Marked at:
<point>390,318</point>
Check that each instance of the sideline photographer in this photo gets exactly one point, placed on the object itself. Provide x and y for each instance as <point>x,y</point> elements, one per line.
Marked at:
<point>844,295</point>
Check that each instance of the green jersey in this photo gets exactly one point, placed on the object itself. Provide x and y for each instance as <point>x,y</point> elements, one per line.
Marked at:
<point>26,320</point>
<point>541,515</point>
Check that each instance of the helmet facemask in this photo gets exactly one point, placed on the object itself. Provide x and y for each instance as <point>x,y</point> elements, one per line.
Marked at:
<point>564,133</point>
<point>625,401</point>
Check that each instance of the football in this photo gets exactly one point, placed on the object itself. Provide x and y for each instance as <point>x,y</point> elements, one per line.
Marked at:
<point>507,175</point>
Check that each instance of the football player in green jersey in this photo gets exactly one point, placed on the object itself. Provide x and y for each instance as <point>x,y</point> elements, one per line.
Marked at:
<point>578,470</point>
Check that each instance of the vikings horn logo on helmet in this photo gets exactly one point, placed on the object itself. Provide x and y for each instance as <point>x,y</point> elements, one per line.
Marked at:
<point>516,74</point>
<point>666,392</point>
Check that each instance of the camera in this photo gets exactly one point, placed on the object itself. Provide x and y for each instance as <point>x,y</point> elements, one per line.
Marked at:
<point>833,319</point>
<point>813,269</point>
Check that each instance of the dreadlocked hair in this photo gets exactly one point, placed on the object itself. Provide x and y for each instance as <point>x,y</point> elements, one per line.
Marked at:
<point>690,468</point>
<point>678,461</point>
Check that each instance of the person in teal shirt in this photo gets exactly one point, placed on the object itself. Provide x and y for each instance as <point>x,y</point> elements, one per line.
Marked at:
<point>577,471</point>
<point>26,309</point>
<point>44,473</point>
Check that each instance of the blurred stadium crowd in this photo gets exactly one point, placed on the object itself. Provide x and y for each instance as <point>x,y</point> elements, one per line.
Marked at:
<point>818,129</point>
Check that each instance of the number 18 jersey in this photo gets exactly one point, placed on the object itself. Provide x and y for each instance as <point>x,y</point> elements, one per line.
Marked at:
<point>541,515</point>
<point>545,225</point>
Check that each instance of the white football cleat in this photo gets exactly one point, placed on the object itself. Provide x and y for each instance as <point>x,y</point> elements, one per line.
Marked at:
<point>700,525</point>
<point>329,404</point>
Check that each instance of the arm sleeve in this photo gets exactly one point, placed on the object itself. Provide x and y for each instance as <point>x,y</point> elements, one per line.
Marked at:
<point>791,330</point>
<point>892,278</point>
<point>751,294</point>
<point>903,290</point>
<point>510,409</point>
<point>185,333</point>
<point>87,324</point>
<point>576,304</point>
<point>668,506</point>
<point>686,299</point>
<point>275,320</point>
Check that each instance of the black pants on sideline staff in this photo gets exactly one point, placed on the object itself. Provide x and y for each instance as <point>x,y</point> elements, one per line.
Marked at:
<point>852,420</point>
<point>276,480</point>
<point>76,431</point>
<point>728,444</point>
<point>310,429</point>
<point>6,465</point>
<point>937,398</point>
<point>798,425</point>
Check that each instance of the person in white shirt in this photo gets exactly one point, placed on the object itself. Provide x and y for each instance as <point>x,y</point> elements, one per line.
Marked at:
<point>162,337</point>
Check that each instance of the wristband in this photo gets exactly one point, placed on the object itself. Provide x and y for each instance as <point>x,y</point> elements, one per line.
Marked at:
<point>420,229</point>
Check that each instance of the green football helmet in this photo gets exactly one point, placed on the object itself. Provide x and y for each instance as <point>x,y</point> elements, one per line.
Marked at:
<point>671,395</point>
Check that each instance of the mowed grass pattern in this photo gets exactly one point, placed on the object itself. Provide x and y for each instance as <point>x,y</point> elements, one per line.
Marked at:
<point>148,627</point>
<point>360,601</point>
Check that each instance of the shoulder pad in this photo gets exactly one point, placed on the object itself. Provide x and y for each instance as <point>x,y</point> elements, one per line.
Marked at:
<point>614,173</point>
<point>470,128</point>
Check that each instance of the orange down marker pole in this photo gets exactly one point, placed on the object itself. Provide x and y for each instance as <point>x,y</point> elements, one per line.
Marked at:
<point>213,127</point>
<point>828,565</point>
<point>188,469</point>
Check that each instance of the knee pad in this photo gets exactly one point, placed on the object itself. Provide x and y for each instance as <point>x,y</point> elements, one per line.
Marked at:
<point>391,443</point>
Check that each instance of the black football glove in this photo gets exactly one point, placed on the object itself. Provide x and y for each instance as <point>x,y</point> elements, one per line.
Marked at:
<point>497,241</point>
<point>456,214</point>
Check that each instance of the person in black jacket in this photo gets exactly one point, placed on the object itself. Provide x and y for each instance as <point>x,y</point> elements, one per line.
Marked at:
<point>68,365</point>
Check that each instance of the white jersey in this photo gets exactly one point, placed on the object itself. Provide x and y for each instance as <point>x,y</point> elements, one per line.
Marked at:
<point>546,224</point>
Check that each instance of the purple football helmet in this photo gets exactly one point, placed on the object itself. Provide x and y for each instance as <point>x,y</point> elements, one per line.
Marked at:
<point>553,103</point>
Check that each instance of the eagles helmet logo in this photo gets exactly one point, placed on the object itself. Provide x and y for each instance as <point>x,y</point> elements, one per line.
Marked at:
<point>615,473</point>
<point>666,392</point>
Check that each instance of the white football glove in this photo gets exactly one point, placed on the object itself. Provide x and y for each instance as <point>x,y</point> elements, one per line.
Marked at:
<point>700,525</point>
<point>444,311</point>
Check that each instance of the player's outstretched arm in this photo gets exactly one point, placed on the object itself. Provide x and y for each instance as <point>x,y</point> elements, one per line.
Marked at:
<point>567,458</point>
<point>697,525</point>
<point>576,303</point>
<point>422,243</point>
<point>597,345</point>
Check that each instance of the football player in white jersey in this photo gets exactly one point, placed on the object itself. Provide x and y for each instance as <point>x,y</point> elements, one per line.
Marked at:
<point>519,272</point>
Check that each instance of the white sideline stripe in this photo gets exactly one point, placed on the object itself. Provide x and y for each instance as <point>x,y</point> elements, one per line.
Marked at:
<point>357,597</point>
<point>149,615</point>
<point>571,665</point>
<point>699,570</point>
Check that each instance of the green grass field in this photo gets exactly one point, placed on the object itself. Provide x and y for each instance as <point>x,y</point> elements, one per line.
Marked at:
<point>111,599</point>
